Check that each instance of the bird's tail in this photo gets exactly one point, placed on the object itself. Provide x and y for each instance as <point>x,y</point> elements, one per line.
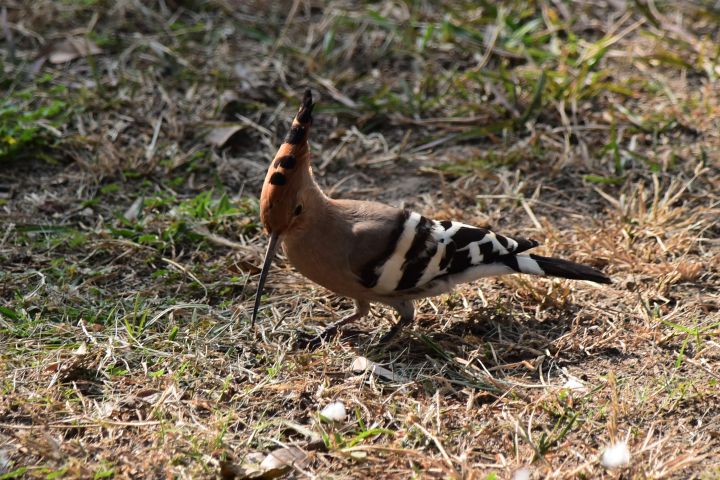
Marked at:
<point>553,267</point>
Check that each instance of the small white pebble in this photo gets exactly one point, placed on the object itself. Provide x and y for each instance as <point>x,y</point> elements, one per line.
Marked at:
<point>335,412</point>
<point>522,474</point>
<point>360,364</point>
<point>616,455</point>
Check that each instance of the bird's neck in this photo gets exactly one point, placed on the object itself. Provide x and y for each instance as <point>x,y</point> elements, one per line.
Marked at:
<point>313,198</point>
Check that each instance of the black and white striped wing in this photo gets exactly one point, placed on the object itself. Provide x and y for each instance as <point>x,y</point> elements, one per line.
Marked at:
<point>427,250</point>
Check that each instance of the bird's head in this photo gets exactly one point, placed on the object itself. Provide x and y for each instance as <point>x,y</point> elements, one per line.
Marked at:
<point>288,174</point>
<point>281,200</point>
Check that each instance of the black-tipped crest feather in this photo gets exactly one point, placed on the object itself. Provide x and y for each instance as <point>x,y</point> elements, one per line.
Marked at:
<point>304,115</point>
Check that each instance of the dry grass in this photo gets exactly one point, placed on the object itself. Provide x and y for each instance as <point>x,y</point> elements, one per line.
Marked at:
<point>129,238</point>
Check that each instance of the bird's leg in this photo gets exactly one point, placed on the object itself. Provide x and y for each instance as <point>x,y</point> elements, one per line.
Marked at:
<point>406,309</point>
<point>362,308</point>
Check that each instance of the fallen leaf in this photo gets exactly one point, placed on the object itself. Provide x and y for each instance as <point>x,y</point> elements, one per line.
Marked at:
<point>72,48</point>
<point>281,460</point>
<point>52,367</point>
<point>314,438</point>
<point>254,457</point>
<point>146,393</point>
<point>575,384</point>
<point>221,135</point>
<point>230,105</point>
<point>362,364</point>
<point>81,350</point>
<point>134,210</point>
<point>231,471</point>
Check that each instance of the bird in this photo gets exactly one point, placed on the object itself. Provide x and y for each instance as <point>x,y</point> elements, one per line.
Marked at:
<point>375,253</point>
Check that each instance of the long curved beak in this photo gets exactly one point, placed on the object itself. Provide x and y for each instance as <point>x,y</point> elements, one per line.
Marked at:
<point>269,254</point>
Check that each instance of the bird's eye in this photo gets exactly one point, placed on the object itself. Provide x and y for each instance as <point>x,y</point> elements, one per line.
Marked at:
<point>298,210</point>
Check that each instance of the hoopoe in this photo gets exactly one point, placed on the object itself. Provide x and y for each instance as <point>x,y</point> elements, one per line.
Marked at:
<point>371,252</point>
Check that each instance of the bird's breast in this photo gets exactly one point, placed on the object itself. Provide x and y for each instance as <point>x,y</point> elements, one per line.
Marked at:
<point>323,260</point>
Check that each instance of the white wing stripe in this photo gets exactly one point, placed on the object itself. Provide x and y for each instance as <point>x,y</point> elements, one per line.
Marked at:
<point>391,271</point>
<point>475,255</point>
<point>432,269</point>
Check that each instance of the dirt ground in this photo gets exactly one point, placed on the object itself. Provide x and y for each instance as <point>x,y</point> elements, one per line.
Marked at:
<point>134,138</point>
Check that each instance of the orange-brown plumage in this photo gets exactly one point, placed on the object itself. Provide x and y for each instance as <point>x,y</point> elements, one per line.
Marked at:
<point>288,173</point>
<point>372,252</point>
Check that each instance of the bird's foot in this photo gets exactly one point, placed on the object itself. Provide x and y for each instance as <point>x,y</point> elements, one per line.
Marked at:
<point>390,335</point>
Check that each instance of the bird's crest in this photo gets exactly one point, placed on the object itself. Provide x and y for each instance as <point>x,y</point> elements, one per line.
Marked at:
<point>292,161</point>
<point>294,152</point>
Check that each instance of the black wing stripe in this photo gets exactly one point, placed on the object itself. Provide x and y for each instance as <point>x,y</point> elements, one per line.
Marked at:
<point>487,250</point>
<point>418,255</point>
<point>524,244</point>
<point>512,262</point>
<point>369,276</point>
<point>467,235</point>
<point>502,241</point>
<point>450,250</point>
<point>460,261</point>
